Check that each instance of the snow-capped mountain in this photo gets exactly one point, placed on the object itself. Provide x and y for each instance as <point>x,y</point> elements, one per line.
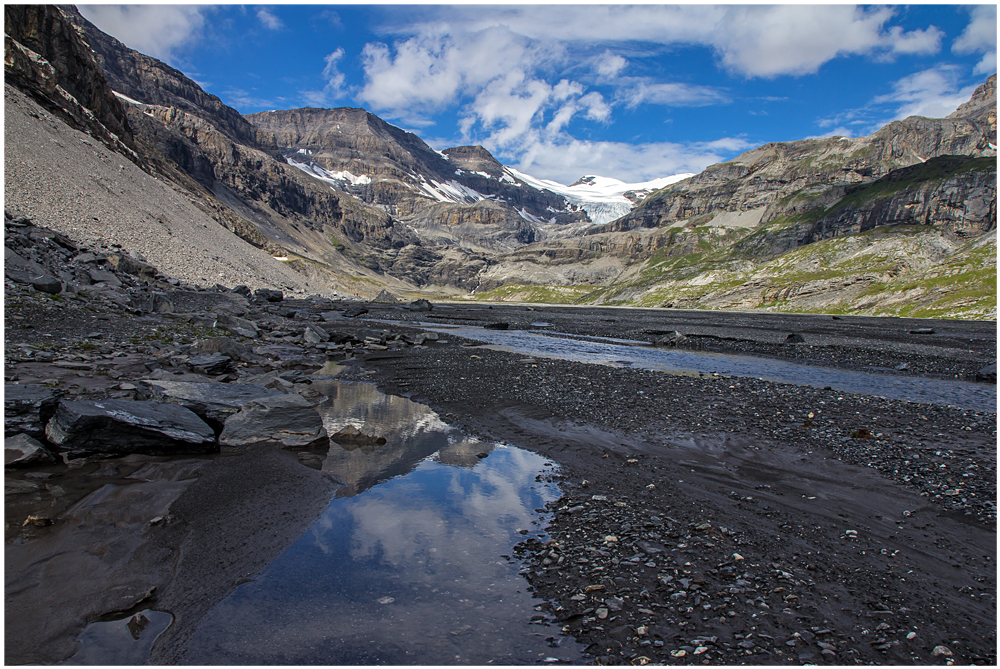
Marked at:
<point>603,198</point>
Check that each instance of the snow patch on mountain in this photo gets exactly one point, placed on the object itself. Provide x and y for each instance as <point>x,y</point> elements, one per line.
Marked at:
<point>603,198</point>
<point>450,191</point>
<point>336,178</point>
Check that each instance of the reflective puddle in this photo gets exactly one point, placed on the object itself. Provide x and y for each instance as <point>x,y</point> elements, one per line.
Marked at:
<point>406,565</point>
<point>124,641</point>
<point>964,394</point>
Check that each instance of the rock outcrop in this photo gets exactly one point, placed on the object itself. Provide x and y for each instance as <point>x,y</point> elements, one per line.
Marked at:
<point>47,57</point>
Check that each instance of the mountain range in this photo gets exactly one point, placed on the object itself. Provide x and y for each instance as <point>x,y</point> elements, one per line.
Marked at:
<point>114,147</point>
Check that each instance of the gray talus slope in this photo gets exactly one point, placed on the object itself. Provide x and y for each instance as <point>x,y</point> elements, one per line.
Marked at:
<point>68,181</point>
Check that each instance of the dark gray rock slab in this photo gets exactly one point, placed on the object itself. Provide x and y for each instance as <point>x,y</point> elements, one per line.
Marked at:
<point>289,421</point>
<point>212,402</point>
<point>987,373</point>
<point>28,408</point>
<point>420,305</point>
<point>238,326</point>
<point>24,451</point>
<point>102,276</point>
<point>313,334</point>
<point>354,312</point>
<point>242,290</point>
<point>268,295</point>
<point>125,426</point>
<point>211,363</point>
<point>226,346</point>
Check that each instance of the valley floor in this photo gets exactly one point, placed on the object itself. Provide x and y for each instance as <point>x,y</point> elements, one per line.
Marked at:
<point>730,521</point>
<point>704,519</point>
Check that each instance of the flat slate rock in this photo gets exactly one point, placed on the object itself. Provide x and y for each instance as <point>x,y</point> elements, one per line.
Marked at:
<point>27,408</point>
<point>211,363</point>
<point>289,421</point>
<point>212,402</point>
<point>126,426</point>
<point>24,451</point>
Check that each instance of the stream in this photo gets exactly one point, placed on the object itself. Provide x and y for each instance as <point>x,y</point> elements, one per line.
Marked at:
<point>597,350</point>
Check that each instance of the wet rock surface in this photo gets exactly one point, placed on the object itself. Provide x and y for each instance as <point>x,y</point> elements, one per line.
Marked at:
<point>704,518</point>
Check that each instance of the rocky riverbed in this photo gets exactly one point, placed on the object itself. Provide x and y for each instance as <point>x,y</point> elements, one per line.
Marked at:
<point>704,519</point>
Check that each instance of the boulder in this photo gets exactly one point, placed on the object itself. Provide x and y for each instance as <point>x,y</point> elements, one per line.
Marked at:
<point>313,334</point>
<point>212,364</point>
<point>420,305</point>
<point>212,402</point>
<point>354,312</point>
<point>226,346</point>
<point>27,409</point>
<point>987,373</point>
<point>268,295</point>
<point>126,426</point>
<point>352,436</point>
<point>795,338</point>
<point>129,265</point>
<point>24,451</point>
<point>385,297</point>
<point>242,290</point>
<point>102,276</point>
<point>238,326</point>
<point>289,421</point>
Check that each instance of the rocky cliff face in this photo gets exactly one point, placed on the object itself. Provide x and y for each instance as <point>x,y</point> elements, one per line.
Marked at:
<point>45,56</point>
<point>381,164</point>
<point>783,176</point>
<point>150,81</point>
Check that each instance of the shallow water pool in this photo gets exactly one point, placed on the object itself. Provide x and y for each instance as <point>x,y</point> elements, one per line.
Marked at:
<point>406,564</point>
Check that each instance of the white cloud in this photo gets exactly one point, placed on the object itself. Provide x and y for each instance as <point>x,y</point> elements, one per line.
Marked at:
<point>269,20</point>
<point>798,39</point>
<point>160,31</point>
<point>933,93</point>
<point>752,40</point>
<point>670,94</point>
<point>334,88</point>
<point>609,65</point>
<point>567,160</point>
<point>980,36</point>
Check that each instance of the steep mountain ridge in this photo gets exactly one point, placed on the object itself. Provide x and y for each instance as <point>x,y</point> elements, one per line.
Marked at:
<point>345,198</point>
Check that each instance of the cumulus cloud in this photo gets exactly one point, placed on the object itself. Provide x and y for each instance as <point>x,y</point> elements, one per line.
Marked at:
<point>609,65</point>
<point>269,20</point>
<point>568,160</point>
<point>798,39</point>
<point>933,93</point>
<point>980,36</point>
<point>752,40</point>
<point>161,31</point>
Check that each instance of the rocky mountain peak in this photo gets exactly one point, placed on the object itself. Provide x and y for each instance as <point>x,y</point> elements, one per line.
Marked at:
<point>474,159</point>
<point>982,108</point>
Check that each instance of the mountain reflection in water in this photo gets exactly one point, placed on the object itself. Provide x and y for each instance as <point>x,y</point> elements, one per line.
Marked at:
<point>412,432</point>
<point>405,566</point>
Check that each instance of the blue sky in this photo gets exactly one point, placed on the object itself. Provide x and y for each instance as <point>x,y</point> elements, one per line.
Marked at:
<point>633,92</point>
